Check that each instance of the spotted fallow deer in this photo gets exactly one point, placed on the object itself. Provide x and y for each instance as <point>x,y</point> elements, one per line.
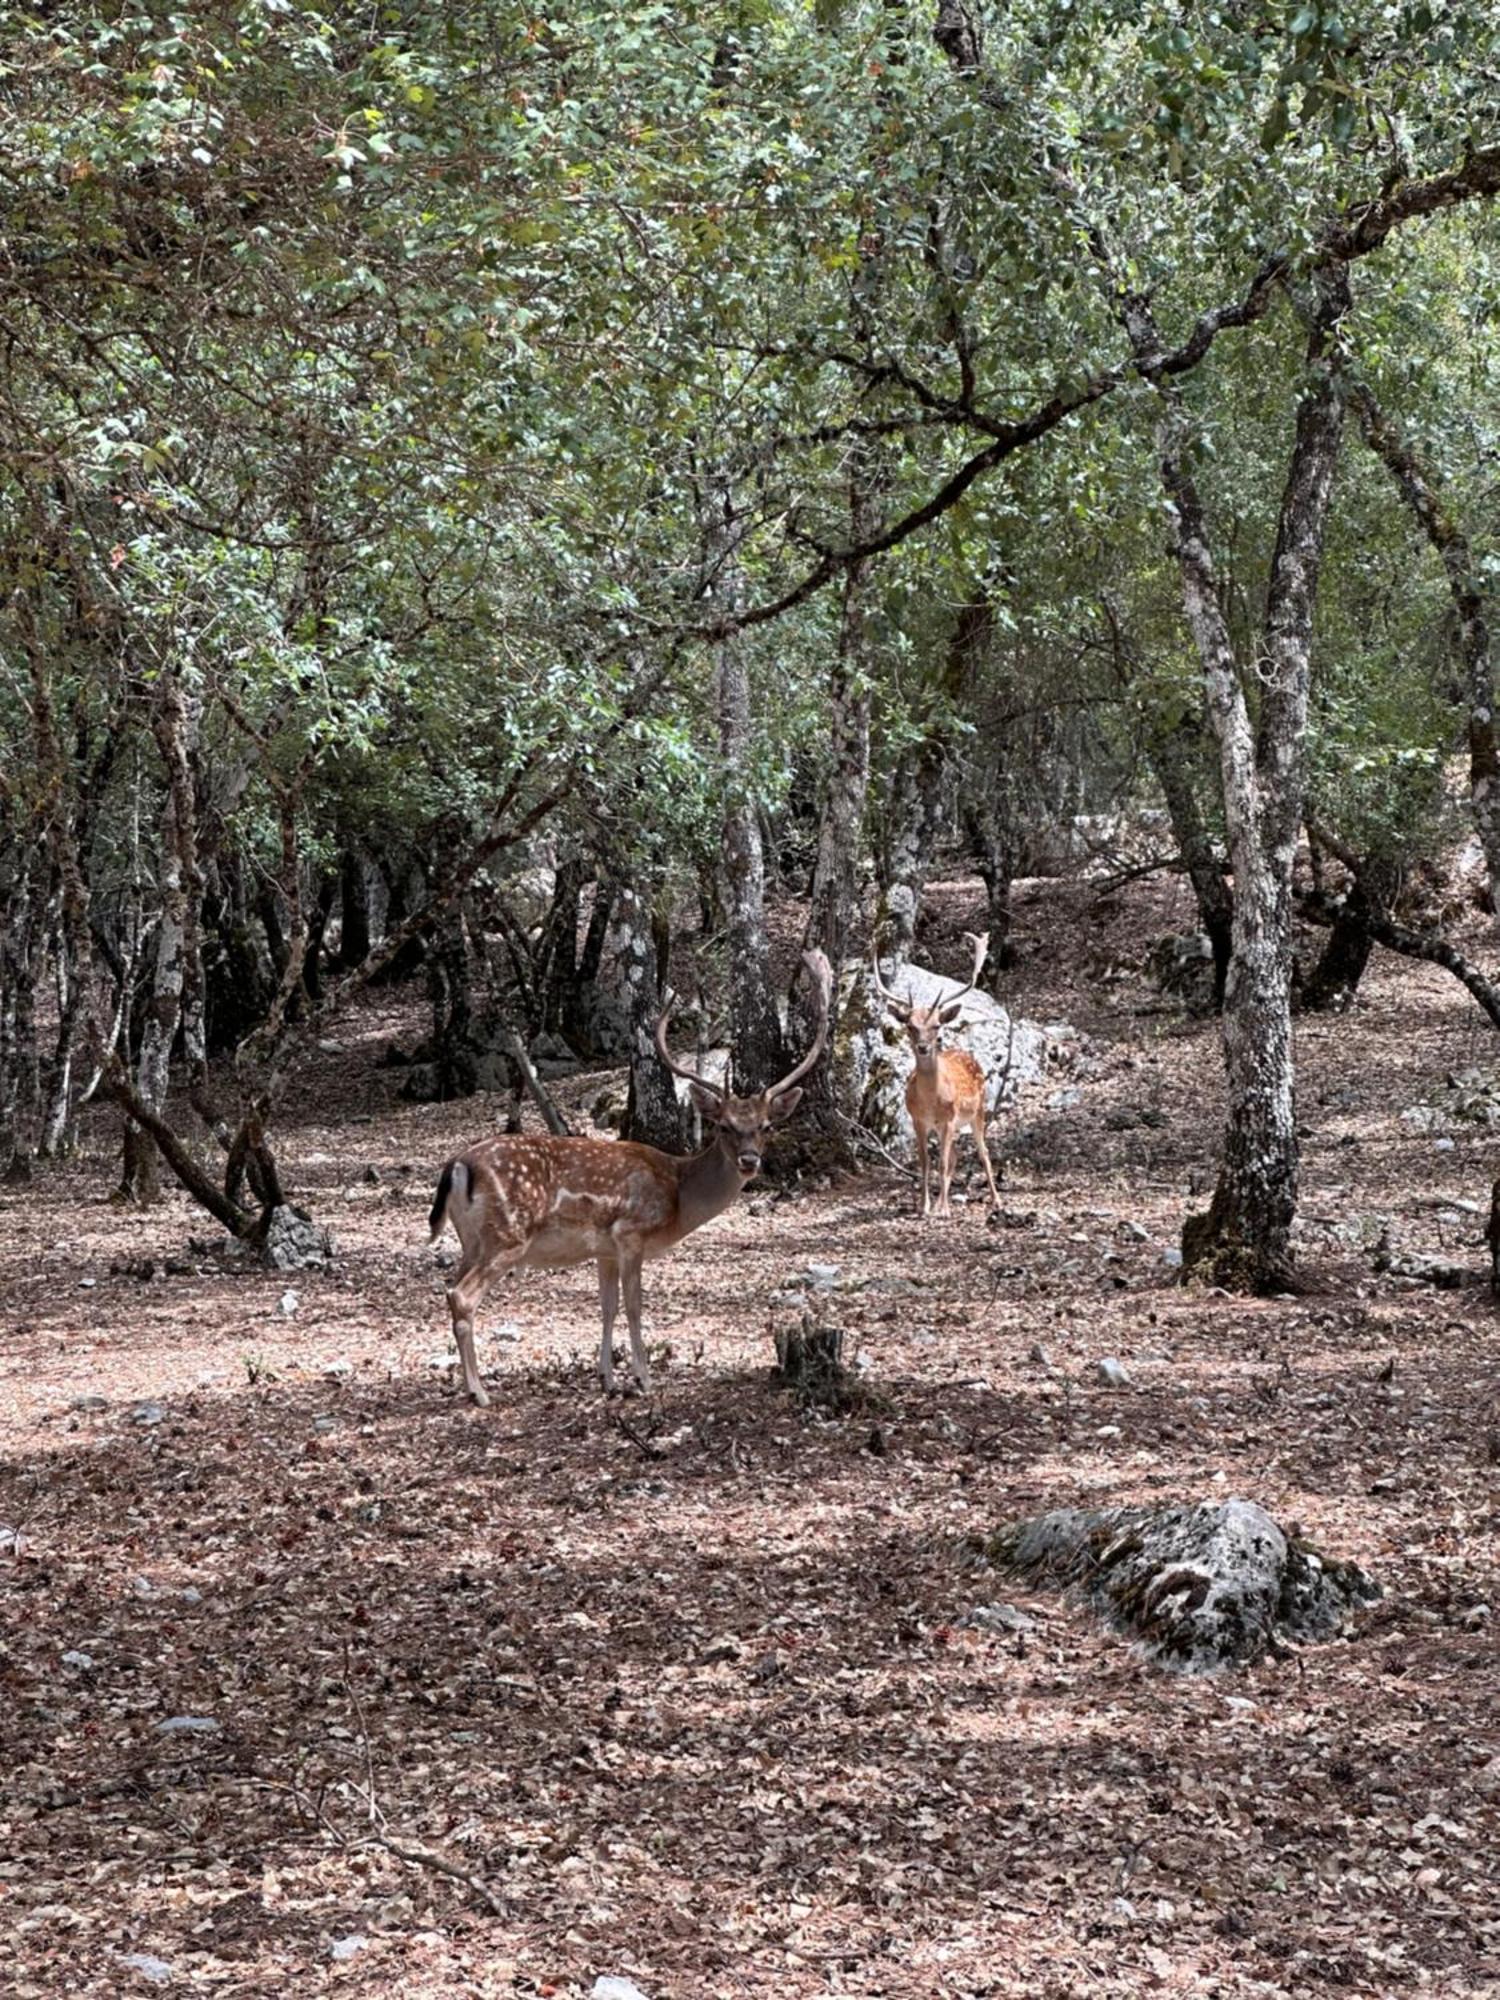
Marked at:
<point>947,1087</point>
<point>547,1202</point>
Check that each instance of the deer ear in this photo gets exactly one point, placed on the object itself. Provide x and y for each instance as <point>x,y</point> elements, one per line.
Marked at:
<point>897,1012</point>
<point>782,1107</point>
<point>706,1099</point>
<point>949,1014</point>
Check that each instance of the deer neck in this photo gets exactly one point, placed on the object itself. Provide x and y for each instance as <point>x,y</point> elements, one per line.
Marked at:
<point>709,1183</point>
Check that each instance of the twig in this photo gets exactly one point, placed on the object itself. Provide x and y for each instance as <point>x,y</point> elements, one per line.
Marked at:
<point>865,1137</point>
<point>555,1122</point>
<point>645,1446</point>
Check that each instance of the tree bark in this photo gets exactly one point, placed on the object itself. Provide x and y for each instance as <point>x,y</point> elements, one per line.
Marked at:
<point>1335,978</point>
<point>652,1113</point>
<point>755,1025</point>
<point>20,1072</point>
<point>1244,1240</point>
<point>1170,752</point>
<point>1474,633</point>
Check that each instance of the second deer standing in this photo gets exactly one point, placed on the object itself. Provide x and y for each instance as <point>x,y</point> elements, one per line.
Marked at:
<point>947,1090</point>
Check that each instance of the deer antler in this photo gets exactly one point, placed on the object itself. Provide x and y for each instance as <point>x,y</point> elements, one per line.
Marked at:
<point>822,974</point>
<point>981,944</point>
<point>897,1006</point>
<point>689,1075</point>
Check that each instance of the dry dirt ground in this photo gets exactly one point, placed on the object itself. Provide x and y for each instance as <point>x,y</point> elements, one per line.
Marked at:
<point>689,1698</point>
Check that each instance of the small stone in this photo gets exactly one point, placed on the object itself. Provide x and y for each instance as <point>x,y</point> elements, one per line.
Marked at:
<point>1172,1257</point>
<point>147,1413</point>
<point>998,1618</point>
<point>148,1966</point>
<point>339,1369</point>
<point>823,1277</point>
<point>325,1423</point>
<point>1443,1145</point>
<point>609,1986</point>
<point>349,1947</point>
<point>189,1725</point>
<point>507,1331</point>
<point>445,1360</point>
<point>87,1284</point>
<point>289,1303</point>
<point>143,1586</point>
<point>89,1403</point>
<point>726,1647</point>
<point>1111,1374</point>
<point>371,1176</point>
<point>1039,1355</point>
<point>192,1595</point>
<point>82,1661</point>
<point>1133,1232</point>
<point>1476,1618</point>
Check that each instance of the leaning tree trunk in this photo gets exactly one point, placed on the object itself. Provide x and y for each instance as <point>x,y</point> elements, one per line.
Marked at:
<point>1244,1239</point>
<point>755,1025</point>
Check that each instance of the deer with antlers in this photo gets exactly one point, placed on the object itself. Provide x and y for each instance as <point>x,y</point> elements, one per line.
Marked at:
<point>548,1202</point>
<point>947,1088</point>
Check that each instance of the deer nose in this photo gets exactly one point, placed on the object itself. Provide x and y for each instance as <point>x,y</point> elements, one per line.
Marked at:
<point>749,1163</point>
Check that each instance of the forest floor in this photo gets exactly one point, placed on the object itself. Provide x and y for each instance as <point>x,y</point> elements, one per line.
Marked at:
<point>684,1687</point>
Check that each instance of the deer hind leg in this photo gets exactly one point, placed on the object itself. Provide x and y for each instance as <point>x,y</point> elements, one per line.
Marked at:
<point>465,1296</point>
<point>631,1274</point>
<point>609,1305</point>
<point>977,1128</point>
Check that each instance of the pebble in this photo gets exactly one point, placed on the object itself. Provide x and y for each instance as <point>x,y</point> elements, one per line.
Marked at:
<point>74,1658</point>
<point>507,1330</point>
<point>148,1966</point>
<point>1111,1373</point>
<point>349,1947</point>
<point>609,1986</point>
<point>189,1725</point>
<point>148,1413</point>
<point>289,1304</point>
<point>339,1368</point>
<point>89,1403</point>
<point>999,1618</point>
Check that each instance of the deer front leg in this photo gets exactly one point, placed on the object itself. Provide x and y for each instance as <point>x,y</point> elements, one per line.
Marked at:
<point>631,1273</point>
<point>609,1305</point>
<point>922,1155</point>
<point>945,1145</point>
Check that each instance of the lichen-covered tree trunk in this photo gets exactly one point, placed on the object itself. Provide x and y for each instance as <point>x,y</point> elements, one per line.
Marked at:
<point>652,1113</point>
<point>1473,626</point>
<point>1244,1240</point>
<point>1171,756</point>
<point>755,1024</point>
<point>20,1076</point>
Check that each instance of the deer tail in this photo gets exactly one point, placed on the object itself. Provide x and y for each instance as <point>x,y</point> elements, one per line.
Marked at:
<point>454,1181</point>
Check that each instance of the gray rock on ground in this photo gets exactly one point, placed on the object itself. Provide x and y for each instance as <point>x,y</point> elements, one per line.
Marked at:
<point>294,1242</point>
<point>1199,1587</point>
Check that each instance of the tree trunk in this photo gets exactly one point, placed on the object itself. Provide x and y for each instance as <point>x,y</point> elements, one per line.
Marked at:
<point>1335,978</point>
<point>20,1073</point>
<point>821,1137</point>
<point>755,1025</point>
<point>652,1113</point>
<point>1467,584</point>
<point>1245,1238</point>
<point>1171,755</point>
<point>355,926</point>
